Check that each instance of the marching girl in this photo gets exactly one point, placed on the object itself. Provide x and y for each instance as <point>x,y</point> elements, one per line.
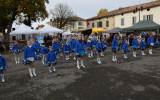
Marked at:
<point>51,59</point>
<point>104,47</point>
<point>55,46</point>
<point>80,51</point>
<point>90,48</point>
<point>125,49</point>
<point>150,42</point>
<point>94,45</point>
<point>143,46</point>
<point>115,48</point>
<point>98,51</point>
<point>44,53</point>
<point>29,54</point>
<point>59,49</point>
<point>16,50</point>
<point>135,45</point>
<point>67,49</point>
<point>37,46</point>
<point>3,67</point>
<point>123,42</point>
<point>73,46</point>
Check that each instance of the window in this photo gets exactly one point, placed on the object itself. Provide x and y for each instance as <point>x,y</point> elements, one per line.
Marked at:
<point>134,20</point>
<point>122,21</point>
<point>80,23</point>
<point>92,25</point>
<point>107,23</point>
<point>99,24</point>
<point>80,27</point>
<point>148,17</point>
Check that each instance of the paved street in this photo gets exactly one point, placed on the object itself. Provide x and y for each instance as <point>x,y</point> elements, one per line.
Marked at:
<point>128,79</point>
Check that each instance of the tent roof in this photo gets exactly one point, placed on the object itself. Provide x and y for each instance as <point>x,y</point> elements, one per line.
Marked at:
<point>115,30</point>
<point>143,25</point>
<point>49,29</point>
<point>23,29</point>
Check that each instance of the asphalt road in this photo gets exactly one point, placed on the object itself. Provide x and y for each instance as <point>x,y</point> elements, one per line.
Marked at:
<point>127,79</point>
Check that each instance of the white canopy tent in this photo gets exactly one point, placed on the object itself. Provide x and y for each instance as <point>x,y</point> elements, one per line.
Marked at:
<point>67,33</point>
<point>49,29</point>
<point>23,29</point>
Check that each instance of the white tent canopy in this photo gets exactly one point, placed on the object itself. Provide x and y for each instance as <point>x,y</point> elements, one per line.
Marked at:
<point>49,29</point>
<point>67,33</point>
<point>23,29</point>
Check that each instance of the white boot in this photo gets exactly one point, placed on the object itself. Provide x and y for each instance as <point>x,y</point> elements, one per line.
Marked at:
<point>3,80</point>
<point>78,65</point>
<point>34,72</point>
<point>82,64</point>
<point>54,68</point>
<point>30,72</point>
<point>135,54</point>
<point>151,52</point>
<point>50,71</point>
<point>113,59</point>
<point>70,54</point>
<point>99,61</point>
<point>74,58</point>
<point>126,55</point>
<point>143,54</point>
<point>16,60</point>
<point>91,54</point>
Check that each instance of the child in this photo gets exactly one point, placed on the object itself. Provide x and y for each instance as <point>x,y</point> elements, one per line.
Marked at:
<point>3,67</point>
<point>135,46</point>
<point>125,49</point>
<point>143,46</point>
<point>80,51</point>
<point>37,46</point>
<point>123,42</point>
<point>67,49</point>
<point>55,46</point>
<point>59,49</point>
<point>51,59</point>
<point>150,42</point>
<point>89,48</point>
<point>44,52</point>
<point>115,48</point>
<point>104,47</point>
<point>73,45</point>
<point>29,54</point>
<point>16,50</point>
<point>98,51</point>
<point>94,42</point>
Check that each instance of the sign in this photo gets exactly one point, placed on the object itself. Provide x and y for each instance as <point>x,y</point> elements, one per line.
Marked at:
<point>40,39</point>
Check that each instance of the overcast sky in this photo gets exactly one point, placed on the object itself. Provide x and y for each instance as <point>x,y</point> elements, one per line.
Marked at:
<point>90,8</point>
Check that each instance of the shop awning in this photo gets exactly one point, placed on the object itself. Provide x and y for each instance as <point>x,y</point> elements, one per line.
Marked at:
<point>97,30</point>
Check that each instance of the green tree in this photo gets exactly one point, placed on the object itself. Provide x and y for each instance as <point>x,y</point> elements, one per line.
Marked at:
<point>102,11</point>
<point>30,10</point>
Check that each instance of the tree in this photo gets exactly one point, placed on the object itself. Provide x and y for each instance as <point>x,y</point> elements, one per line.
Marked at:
<point>62,14</point>
<point>30,10</point>
<point>102,11</point>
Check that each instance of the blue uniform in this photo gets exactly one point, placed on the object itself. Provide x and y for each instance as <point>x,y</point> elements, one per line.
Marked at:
<point>98,48</point>
<point>104,47</point>
<point>115,45</point>
<point>143,45</point>
<point>37,47</point>
<point>29,52</point>
<point>135,44</point>
<point>3,65</point>
<point>94,37</point>
<point>16,49</point>
<point>150,41</point>
<point>80,48</point>
<point>55,47</point>
<point>94,43</point>
<point>89,46</point>
<point>125,48</point>
<point>59,47</point>
<point>67,48</point>
<point>73,44</point>
<point>51,57</point>
<point>122,43</point>
<point>44,50</point>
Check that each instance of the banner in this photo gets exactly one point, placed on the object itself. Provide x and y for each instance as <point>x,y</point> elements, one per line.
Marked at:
<point>40,39</point>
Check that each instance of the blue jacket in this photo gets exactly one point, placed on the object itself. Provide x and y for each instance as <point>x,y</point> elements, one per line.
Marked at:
<point>99,46</point>
<point>79,46</point>
<point>72,44</point>
<point>51,56</point>
<point>115,43</point>
<point>125,47</point>
<point>29,52</point>
<point>150,40</point>
<point>15,47</point>
<point>103,44</point>
<point>94,42</point>
<point>67,47</point>
<point>44,50</point>
<point>59,45</point>
<point>89,44</point>
<point>122,43</point>
<point>143,44</point>
<point>94,37</point>
<point>135,42</point>
<point>2,61</point>
<point>55,46</point>
<point>37,45</point>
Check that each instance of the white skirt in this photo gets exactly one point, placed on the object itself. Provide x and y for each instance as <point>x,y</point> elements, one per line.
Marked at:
<point>30,59</point>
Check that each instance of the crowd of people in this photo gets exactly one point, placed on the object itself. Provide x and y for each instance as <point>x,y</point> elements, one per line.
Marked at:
<point>78,47</point>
